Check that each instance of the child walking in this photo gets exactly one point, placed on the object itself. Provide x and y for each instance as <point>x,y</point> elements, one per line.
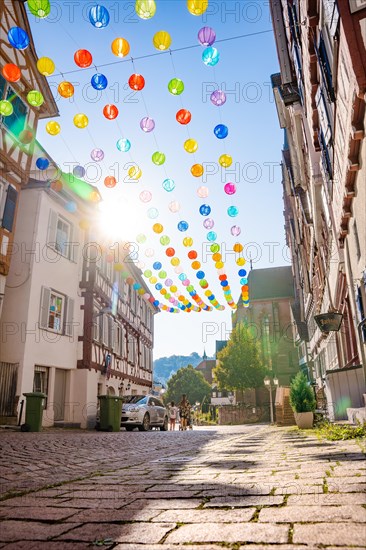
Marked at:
<point>173,410</point>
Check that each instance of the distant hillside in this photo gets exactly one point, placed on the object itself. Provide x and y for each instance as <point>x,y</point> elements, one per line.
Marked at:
<point>166,366</point>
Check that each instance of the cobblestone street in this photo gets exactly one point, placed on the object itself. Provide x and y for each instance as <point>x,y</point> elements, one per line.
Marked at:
<point>233,487</point>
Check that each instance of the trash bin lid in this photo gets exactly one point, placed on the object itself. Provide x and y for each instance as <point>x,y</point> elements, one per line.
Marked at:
<point>35,394</point>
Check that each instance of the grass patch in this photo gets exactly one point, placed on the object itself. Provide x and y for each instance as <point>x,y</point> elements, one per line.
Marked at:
<point>341,432</point>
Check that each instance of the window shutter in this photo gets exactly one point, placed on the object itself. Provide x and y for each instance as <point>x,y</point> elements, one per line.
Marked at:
<point>106,330</point>
<point>9,209</point>
<point>52,229</point>
<point>69,317</point>
<point>122,342</point>
<point>69,244</point>
<point>115,334</point>
<point>45,307</point>
<point>74,243</point>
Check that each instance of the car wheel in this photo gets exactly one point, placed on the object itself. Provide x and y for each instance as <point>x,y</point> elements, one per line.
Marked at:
<point>129,428</point>
<point>145,426</point>
<point>164,427</point>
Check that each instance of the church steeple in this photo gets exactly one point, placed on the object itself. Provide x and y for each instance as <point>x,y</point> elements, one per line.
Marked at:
<point>204,356</point>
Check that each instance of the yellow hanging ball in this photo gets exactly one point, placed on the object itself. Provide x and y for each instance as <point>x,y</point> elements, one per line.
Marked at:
<point>188,241</point>
<point>45,66</point>
<point>197,170</point>
<point>141,291</point>
<point>162,40</point>
<point>158,228</point>
<point>175,261</point>
<point>173,288</point>
<point>197,7</point>
<point>225,161</point>
<point>240,261</point>
<point>191,145</point>
<point>135,172</point>
<point>81,120</point>
<point>145,9</point>
<point>53,128</point>
<point>219,265</point>
<point>238,247</point>
<point>153,280</point>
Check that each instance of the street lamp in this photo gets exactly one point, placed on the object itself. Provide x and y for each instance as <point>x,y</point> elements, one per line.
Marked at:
<point>268,383</point>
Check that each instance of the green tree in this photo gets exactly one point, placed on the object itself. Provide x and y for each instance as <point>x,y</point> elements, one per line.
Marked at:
<point>239,365</point>
<point>189,381</point>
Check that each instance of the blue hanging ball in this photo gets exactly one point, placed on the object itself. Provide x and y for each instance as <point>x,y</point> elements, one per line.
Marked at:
<point>224,283</point>
<point>99,16</point>
<point>157,265</point>
<point>211,236</point>
<point>242,272</point>
<point>123,145</point>
<point>158,286</point>
<point>182,277</point>
<point>233,211</point>
<point>42,163</point>
<point>205,210</point>
<point>18,38</point>
<point>183,226</point>
<point>156,303</point>
<point>168,185</point>
<point>210,56</point>
<point>71,207</point>
<point>136,286</point>
<point>79,171</point>
<point>221,131</point>
<point>99,81</point>
<point>200,274</point>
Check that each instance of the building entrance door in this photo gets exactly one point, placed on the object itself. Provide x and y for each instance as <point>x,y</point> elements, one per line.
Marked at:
<point>59,394</point>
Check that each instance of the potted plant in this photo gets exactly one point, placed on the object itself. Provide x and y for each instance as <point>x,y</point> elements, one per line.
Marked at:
<point>302,401</point>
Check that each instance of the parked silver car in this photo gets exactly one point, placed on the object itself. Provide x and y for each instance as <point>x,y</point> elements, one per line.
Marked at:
<point>143,412</point>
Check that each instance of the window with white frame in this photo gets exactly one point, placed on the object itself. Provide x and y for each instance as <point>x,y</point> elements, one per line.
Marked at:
<point>40,379</point>
<point>56,312</point>
<point>97,323</point>
<point>61,235</point>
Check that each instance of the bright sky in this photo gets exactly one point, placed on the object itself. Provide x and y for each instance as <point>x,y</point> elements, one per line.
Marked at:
<point>254,140</point>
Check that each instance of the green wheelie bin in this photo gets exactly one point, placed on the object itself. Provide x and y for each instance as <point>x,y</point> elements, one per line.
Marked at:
<point>33,412</point>
<point>110,412</point>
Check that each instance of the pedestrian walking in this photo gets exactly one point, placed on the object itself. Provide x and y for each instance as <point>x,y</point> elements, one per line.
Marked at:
<point>173,410</point>
<point>184,411</point>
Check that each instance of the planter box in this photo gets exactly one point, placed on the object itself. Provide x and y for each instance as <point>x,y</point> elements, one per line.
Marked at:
<point>305,420</point>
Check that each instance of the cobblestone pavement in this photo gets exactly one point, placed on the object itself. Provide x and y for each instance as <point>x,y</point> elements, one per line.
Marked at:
<point>254,487</point>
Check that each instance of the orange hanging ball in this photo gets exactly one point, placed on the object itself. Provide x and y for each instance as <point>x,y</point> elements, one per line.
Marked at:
<point>83,58</point>
<point>110,181</point>
<point>136,82</point>
<point>197,170</point>
<point>65,89</point>
<point>110,111</point>
<point>11,72</point>
<point>26,137</point>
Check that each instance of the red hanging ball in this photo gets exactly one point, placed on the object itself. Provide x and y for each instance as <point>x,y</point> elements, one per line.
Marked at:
<point>11,72</point>
<point>110,111</point>
<point>136,82</point>
<point>83,58</point>
<point>183,116</point>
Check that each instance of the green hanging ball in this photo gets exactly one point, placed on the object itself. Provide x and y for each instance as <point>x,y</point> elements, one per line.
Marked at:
<point>39,8</point>
<point>35,98</point>
<point>6,108</point>
<point>176,86</point>
<point>214,248</point>
<point>158,158</point>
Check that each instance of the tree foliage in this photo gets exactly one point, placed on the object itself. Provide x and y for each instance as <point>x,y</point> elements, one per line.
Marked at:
<point>239,365</point>
<point>302,398</point>
<point>189,381</point>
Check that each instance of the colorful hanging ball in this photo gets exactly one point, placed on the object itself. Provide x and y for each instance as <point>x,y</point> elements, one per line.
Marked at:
<point>53,128</point>
<point>42,163</point>
<point>110,181</point>
<point>210,56</point>
<point>83,58</point>
<point>197,170</point>
<point>162,40</point>
<point>97,155</point>
<point>225,161</point>
<point>221,131</point>
<point>191,145</point>
<point>110,111</point>
<point>230,188</point>
<point>158,228</point>
<point>183,226</point>
<point>136,82</point>
<point>147,124</point>
<point>147,273</point>
<point>168,185</point>
<point>26,136</point>
<point>197,7</point>
<point>218,98</point>
<point>158,158</point>
<point>141,238</point>
<point>162,274</point>
<point>45,66</point>
<point>99,81</point>
<point>11,72</point>
<point>206,36</point>
<point>176,86</point>
<point>183,116</point>
<point>145,9</point>
<point>18,38</point>
<point>123,145</point>
<point>153,213</point>
<point>202,192</point>
<point>235,230</point>
<point>39,8</point>
<point>79,171</point>
<point>99,16</point>
<point>208,223</point>
<point>145,196</point>
<point>174,207</point>
<point>170,252</point>
<point>238,247</point>
<point>6,108</point>
<point>214,248</point>
<point>205,210</point>
<point>35,98</point>
<point>164,240</point>
<point>157,265</point>
<point>65,89</point>
<point>187,241</point>
<point>240,261</point>
<point>135,172</point>
<point>81,120</point>
<point>192,254</point>
<point>233,211</point>
<point>120,47</point>
<point>211,236</point>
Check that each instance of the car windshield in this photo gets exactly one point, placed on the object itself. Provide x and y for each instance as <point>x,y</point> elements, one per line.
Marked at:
<point>137,399</point>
